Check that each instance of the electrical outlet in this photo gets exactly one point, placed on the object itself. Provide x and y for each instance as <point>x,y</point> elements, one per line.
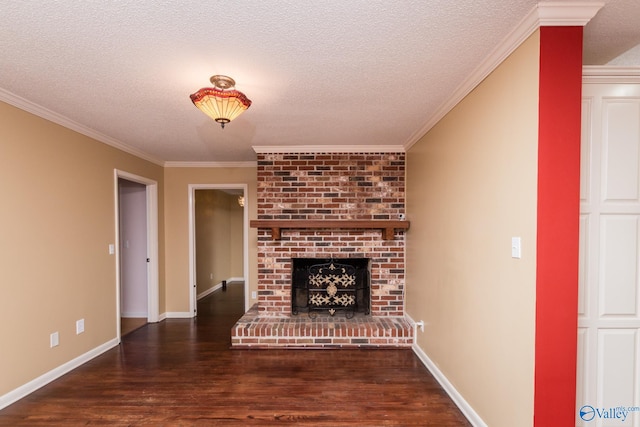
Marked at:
<point>254,295</point>
<point>54,340</point>
<point>79,326</point>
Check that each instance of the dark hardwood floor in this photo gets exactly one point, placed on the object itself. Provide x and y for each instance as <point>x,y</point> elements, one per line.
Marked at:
<point>130,324</point>
<point>182,372</point>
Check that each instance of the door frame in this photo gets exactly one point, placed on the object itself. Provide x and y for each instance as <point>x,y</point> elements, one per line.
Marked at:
<point>151,191</point>
<point>193,293</point>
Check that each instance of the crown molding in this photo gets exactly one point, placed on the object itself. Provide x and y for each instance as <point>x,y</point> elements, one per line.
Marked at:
<point>610,74</point>
<point>260,149</point>
<point>45,113</point>
<point>543,14</point>
<point>252,164</point>
<point>567,13</point>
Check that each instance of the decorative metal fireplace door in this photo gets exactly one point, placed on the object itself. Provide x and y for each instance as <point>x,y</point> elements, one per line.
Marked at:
<point>332,287</point>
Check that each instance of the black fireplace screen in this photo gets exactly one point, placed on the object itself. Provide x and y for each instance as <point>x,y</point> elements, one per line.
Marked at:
<point>331,285</point>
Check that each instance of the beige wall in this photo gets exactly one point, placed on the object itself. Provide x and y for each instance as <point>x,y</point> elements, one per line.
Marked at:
<point>177,181</point>
<point>219,223</point>
<point>471,186</point>
<point>57,219</point>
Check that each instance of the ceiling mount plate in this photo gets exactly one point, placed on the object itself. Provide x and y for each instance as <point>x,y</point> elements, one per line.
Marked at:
<point>222,82</point>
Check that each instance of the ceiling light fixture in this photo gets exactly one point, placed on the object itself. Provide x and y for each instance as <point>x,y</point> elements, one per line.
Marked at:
<point>222,103</point>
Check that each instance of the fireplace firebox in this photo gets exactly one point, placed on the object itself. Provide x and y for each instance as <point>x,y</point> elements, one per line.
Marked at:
<point>330,285</point>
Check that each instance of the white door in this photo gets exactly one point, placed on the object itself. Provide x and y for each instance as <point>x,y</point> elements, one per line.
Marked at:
<point>133,249</point>
<point>608,387</point>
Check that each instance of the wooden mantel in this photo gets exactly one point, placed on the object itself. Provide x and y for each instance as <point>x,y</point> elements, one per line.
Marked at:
<point>388,227</point>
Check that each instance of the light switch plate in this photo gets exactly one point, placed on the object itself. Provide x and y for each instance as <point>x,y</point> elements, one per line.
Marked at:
<point>516,247</point>
<point>54,340</point>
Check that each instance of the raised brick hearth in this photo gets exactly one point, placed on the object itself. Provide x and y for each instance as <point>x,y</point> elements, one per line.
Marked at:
<point>346,186</point>
<point>325,331</point>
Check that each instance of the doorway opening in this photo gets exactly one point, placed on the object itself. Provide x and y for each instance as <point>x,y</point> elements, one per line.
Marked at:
<point>136,251</point>
<point>218,239</point>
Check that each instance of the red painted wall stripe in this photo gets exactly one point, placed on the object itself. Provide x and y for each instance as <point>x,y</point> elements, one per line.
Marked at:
<point>558,226</point>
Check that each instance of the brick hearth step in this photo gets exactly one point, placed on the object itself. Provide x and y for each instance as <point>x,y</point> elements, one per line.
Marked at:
<point>324,331</point>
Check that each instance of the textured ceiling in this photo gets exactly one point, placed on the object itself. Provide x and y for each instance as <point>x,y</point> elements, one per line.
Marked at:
<point>340,73</point>
<point>612,32</point>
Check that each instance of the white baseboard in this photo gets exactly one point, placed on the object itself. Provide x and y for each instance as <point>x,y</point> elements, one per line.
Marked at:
<point>42,380</point>
<point>135,315</point>
<point>457,398</point>
<point>209,291</point>
<point>22,391</point>
<point>177,315</point>
<point>466,409</point>
<point>218,286</point>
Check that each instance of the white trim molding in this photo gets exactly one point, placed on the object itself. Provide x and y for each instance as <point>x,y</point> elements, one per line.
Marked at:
<point>567,13</point>
<point>178,315</point>
<point>45,113</point>
<point>219,286</point>
<point>54,374</point>
<point>153,266</point>
<point>251,164</point>
<point>543,14</point>
<point>287,149</point>
<point>193,297</point>
<point>209,291</point>
<point>134,314</point>
<point>610,74</point>
<point>466,409</point>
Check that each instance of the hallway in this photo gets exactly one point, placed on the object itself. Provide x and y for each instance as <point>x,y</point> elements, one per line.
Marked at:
<point>182,372</point>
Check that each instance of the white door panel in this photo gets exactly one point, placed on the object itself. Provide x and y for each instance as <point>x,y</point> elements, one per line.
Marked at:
<point>609,293</point>
<point>586,150</point>
<point>583,382</point>
<point>616,361</point>
<point>620,138</point>
<point>583,273</point>
<point>618,265</point>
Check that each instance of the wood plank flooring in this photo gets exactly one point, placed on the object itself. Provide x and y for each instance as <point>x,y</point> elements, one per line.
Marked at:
<point>130,324</point>
<point>182,372</point>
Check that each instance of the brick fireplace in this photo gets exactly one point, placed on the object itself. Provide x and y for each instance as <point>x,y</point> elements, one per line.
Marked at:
<point>328,206</point>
